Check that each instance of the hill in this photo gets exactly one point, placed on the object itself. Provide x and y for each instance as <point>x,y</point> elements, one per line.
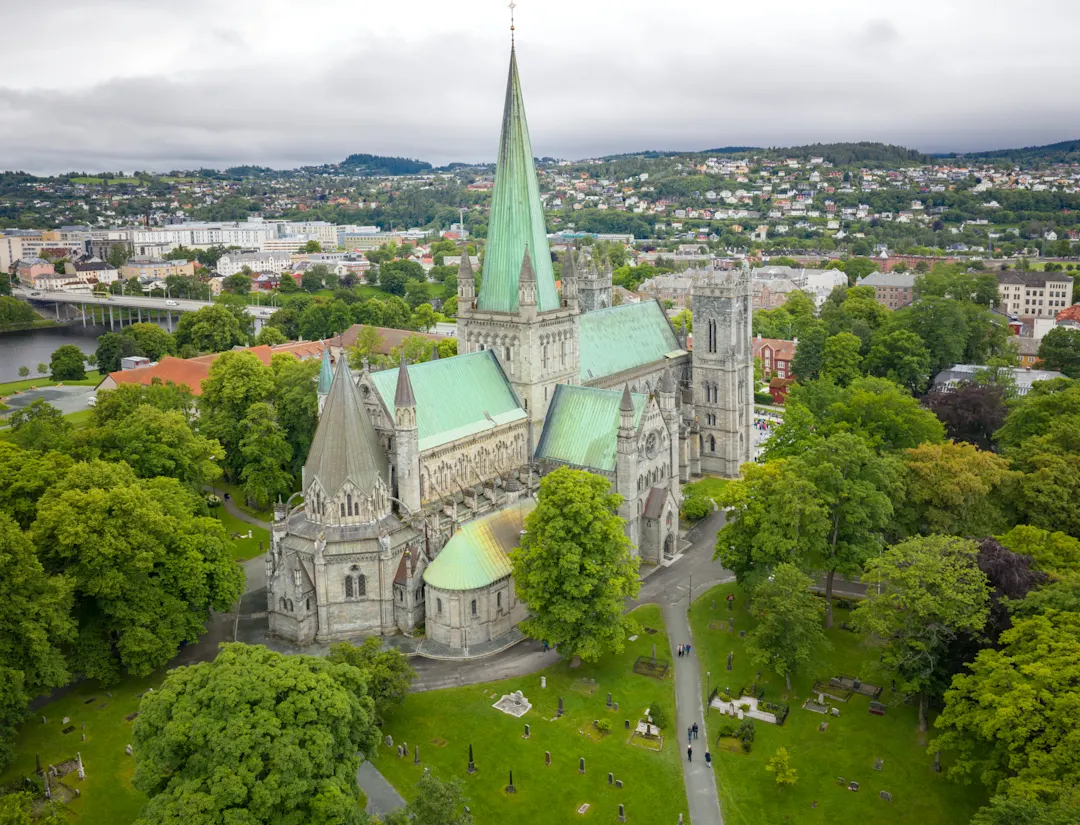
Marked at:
<point>377,165</point>
<point>1061,152</point>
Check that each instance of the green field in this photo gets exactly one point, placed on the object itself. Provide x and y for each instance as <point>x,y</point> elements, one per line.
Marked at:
<point>443,723</point>
<point>710,487</point>
<point>107,795</point>
<point>853,741</point>
<point>243,548</point>
<point>222,486</point>
<point>11,387</point>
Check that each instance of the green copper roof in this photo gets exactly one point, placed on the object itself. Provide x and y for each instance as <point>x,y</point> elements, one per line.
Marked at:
<point>517,218</point>
<point>623,337</point>
<point>476,555</point>
<point>346,446</point>
<point>453,395</point>
<point>582,426</point>
<point>326,373</point>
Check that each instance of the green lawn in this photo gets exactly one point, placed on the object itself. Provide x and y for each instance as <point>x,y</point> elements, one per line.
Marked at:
<point>221,485</point>
<point>243,548</point>
<point>443,723</point>
<point>710,487</point>
<point>848,748</point>
<point>11,387</point>
<point>107,795</point>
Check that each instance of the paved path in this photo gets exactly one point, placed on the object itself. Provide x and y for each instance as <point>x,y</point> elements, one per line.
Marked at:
<point>235,511</point>
<point>381,796</point>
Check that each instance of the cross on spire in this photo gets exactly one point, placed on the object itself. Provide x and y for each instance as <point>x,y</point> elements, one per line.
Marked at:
<point>512,6</point>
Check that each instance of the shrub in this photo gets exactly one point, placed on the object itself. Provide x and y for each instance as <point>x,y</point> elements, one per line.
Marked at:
<point>696,507</point>
<point>762,398</point>
<point>744,707</point>
<point>602,725</point>
<point>780,766</point>
<point>658,716</point>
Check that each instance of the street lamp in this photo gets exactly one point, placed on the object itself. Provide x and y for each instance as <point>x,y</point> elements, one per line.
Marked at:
<point>708,691</point>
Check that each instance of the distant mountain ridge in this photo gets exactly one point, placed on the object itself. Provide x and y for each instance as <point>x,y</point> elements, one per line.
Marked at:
<point>1063,150</point>
<point>380,165</point>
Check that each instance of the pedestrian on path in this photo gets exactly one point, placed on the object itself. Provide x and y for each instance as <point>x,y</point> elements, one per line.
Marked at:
<point>690,734</point>
<point>689,754</point>
<point>688,650</point>
<point>695,730</point>
<point>680,650</point>
<point>708,759</point>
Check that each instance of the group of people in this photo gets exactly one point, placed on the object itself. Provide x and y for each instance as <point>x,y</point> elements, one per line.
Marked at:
<point>691,735</point>
<point>683,650</point>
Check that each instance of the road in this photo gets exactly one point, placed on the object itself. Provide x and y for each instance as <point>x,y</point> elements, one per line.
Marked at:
<point>128,301</point>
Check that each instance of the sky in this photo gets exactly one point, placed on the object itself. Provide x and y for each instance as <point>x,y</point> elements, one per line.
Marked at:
<point>158,85</point>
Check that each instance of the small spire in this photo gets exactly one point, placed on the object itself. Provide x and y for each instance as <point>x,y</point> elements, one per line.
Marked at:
<point>527,273</point>
<point>465,267</point>
<point>569,272</point>
<point>403,397</point>
<point>667,383</point>
<point>627,403</point>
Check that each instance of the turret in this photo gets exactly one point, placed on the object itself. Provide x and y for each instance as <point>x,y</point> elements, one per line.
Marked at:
<point>626,464</point>
<point>466,281</point>
<point>406,441</point>
<point>569,279</point>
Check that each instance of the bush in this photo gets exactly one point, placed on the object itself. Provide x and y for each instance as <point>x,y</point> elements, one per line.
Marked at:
<point>602,725</point>
<point>696,507</point>
<point>762,398</point>
<point>658,716</point>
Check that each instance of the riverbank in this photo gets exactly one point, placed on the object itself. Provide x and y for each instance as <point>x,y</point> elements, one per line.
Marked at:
<point>93,378</point>
<point>42,323</point>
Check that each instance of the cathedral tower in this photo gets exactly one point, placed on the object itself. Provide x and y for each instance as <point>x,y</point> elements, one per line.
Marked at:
<point>723,370</point>
<point>518,313</point>
<point>594,286</point>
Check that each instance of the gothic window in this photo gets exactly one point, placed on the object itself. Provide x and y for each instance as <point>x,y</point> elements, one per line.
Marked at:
<point>291,606</point>
<point>712,444</point>
<point>474,607</point>
<point>283,604</point>
<point>508,355</point>
<point>562,352</point>
<point>438,606</point>
<point>498,600</point>
<point>348,498</point>
<point>361,585</point>
<point>401,596</point>
<point>307,604</point>
<point>348,587</point>
<point>544,359</point>
<point>712,335</point>
<point>343,509</point>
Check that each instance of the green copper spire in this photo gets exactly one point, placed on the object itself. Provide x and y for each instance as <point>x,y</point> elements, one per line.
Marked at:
<point>517,218</point>
<point>326,372</point>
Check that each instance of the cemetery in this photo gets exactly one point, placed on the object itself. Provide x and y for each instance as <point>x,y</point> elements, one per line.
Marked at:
<point>584,746</point>
<point>854,743</point>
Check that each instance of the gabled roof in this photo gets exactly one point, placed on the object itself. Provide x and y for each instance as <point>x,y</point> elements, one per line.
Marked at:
<point>477,554</point>
<point>582,426</point>
<point>516,220</point>
<point>623,337</point>
<point>455,397</point>
<point>346,446</point>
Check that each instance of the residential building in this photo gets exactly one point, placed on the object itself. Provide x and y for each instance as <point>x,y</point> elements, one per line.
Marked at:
<point>1034,294</point>
<point>153,269</point>
<point>1023,377</point>
<point>776,355</point>
<point>892,289</point>
<point>93,270</point>
<point>233,262</point>
<point>37,272</point>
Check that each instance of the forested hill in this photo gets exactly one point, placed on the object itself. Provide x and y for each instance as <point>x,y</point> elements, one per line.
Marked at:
<point>377,165</point>
<point>838,154</point>
<point>1064,151</point>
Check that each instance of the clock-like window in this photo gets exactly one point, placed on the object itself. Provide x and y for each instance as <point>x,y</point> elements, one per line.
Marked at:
<point>651,444</point>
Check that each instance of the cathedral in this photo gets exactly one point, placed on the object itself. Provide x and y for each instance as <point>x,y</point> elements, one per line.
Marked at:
<point>419,478</point>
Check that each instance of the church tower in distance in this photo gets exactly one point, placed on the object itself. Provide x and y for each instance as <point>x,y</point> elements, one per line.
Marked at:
<point>519,314</point>
<point>723,370</point>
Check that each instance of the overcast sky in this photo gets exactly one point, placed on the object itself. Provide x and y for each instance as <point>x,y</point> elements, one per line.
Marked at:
<point>149,84</point>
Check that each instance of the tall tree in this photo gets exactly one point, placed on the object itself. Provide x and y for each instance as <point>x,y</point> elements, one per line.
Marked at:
<point>1011,721</point>
<point>574,567</point>
<point>25,475</point>
<point>297,404</point>
<point>236,381</point>
<point>119,403</point>
<point>266,455</point>
<point>151,340</point>
<point>920,594</point>
<point>435,803</point>
<point>971,412</point>
<point>368,344</point>
<point>254,737</point>
<point>211,329</point>
<point>40,426</point>
<point>1004,810</point>
<point>67,364</point>
<point>788,629</point>
<point>1060,350</point>
<point>841,359</point>
<point>147,568</point>
<point>112,347</point>
<point>387,670</point>
<point>806,365</point>
<point>900,356</point>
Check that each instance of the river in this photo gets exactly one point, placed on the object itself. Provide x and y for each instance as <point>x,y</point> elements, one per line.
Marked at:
<point>29,348</point>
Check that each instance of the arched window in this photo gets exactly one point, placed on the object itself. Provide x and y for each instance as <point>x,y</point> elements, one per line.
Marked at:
<point>712,335</point>
<point>283,604</point>
<point>348,498</point>
<point>348,587</point>
<point>401,596</point>
<point>474,607</point>
<point>438,606</point>
<point>290,606</point>
<point>361,585</point>
<point>343,509</point>
<point>712,444</point>
<point>498,600</point>
<point>307,604</point>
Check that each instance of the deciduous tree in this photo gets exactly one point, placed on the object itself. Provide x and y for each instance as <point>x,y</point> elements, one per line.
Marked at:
<point>40,426</point>
<point>387,670</point>
<point>788,629</point>
<point>211,329</point>
<point>67,364</point>
<point>1060,350</point>
<point>574,567</point>
<point>236,381</point>
<point>970,412</point>
<point>841,359</point>
<point>900,356</point>
<point>266,455</point>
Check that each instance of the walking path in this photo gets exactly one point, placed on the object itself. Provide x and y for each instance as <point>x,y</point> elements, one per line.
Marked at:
<point>381,796</point>
<point>235,511</point>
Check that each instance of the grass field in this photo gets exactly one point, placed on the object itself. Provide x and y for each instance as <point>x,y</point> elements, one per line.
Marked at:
<point>443,723</point>
<point>11,387</point>
<point>222,486</point>
<point>710,486</point>
<point>848,748</point>
<point>107,795</point>
<point>243,548</point>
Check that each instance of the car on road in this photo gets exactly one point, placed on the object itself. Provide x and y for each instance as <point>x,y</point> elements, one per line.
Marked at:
<point>172,303</point>
<point>91,401</point>
<point>35,293</point>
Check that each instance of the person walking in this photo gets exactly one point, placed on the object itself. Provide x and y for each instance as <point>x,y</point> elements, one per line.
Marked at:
<point>689,754</point>
<point>695,730</point>
<point>708,759</point>
<point>690,734</point>
<point>688,650</point>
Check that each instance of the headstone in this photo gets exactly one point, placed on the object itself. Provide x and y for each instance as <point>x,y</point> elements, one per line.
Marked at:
<point>108,693</point>
<point>626,724</point>
<point>526,731</point>
<point>824,726</point>
<point>44,720</point>
<point>581,765</point>
<point>618,783</point>
<point>879,764</point>
<point>48,788</point>
<point>543,681</point>
<point>742,634</point>
<point>560,713</point>
<point>853,786</point>
<point>79,766</point>
<point>399,752</point>
<point>67,719</point>
<point>834,711</point>
<point>615,706</point>
<point>510,788</point>
<point>622,813</point>
<point>609,700</point>
<point>404,748</point>
<point>731,625</point>
<point>730,656</point>
<point>886,796</point>
<point>680,820</point>
<point>84,737</point>
<point>416,755</point>
<point>611,779</point>
<point>937,761</point>
<point>547,758</point>
<point>389,741</point>
<point>821,698</point>
<point>472,765</point>
<point>129,750</point>
<point>78,793</point>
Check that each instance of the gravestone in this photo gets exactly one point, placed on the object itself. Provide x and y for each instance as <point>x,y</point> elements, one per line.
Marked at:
<point>886,796</point>
<point>937,762</point>
<point>680,819</point>
<point>622,813</point>
<point>78,793</point>
<point>618,783</point>
<point>44,720</point>
<point>547,758</point>
<point>609,701</point>
<point>404,748</point>
<point>399,752</point>
<point>416,755</point>
<point>472,765</point>
<point>615,706</point>
<point>853,786</point>
<point>583,808</point>
<point>79,766</point>
<point>824,726</point>
<point>128,750</point>
<point>730,656</point>
<point>560,711</point>
<point>581,765</point>
<point>510,788</point>
<point>543,681</point>
<point>742,634</point>
<point>108,693</point>
<point>879,764</point>
<point>611,778</point>
<point>389,741</point>
<point>66,719</point>
<point>731,625</point>
<point>626,724</point>
<point>834,711</point>
<point>526,731</point>
<point>84,737</point>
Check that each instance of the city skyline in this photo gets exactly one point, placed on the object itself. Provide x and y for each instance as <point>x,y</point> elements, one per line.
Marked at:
<point>120,85</point>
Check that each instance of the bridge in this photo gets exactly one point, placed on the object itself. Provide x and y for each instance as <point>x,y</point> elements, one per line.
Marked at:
<point>116,310</point>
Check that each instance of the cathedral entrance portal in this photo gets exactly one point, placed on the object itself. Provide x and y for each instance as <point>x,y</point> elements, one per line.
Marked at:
<point>669,547</point>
